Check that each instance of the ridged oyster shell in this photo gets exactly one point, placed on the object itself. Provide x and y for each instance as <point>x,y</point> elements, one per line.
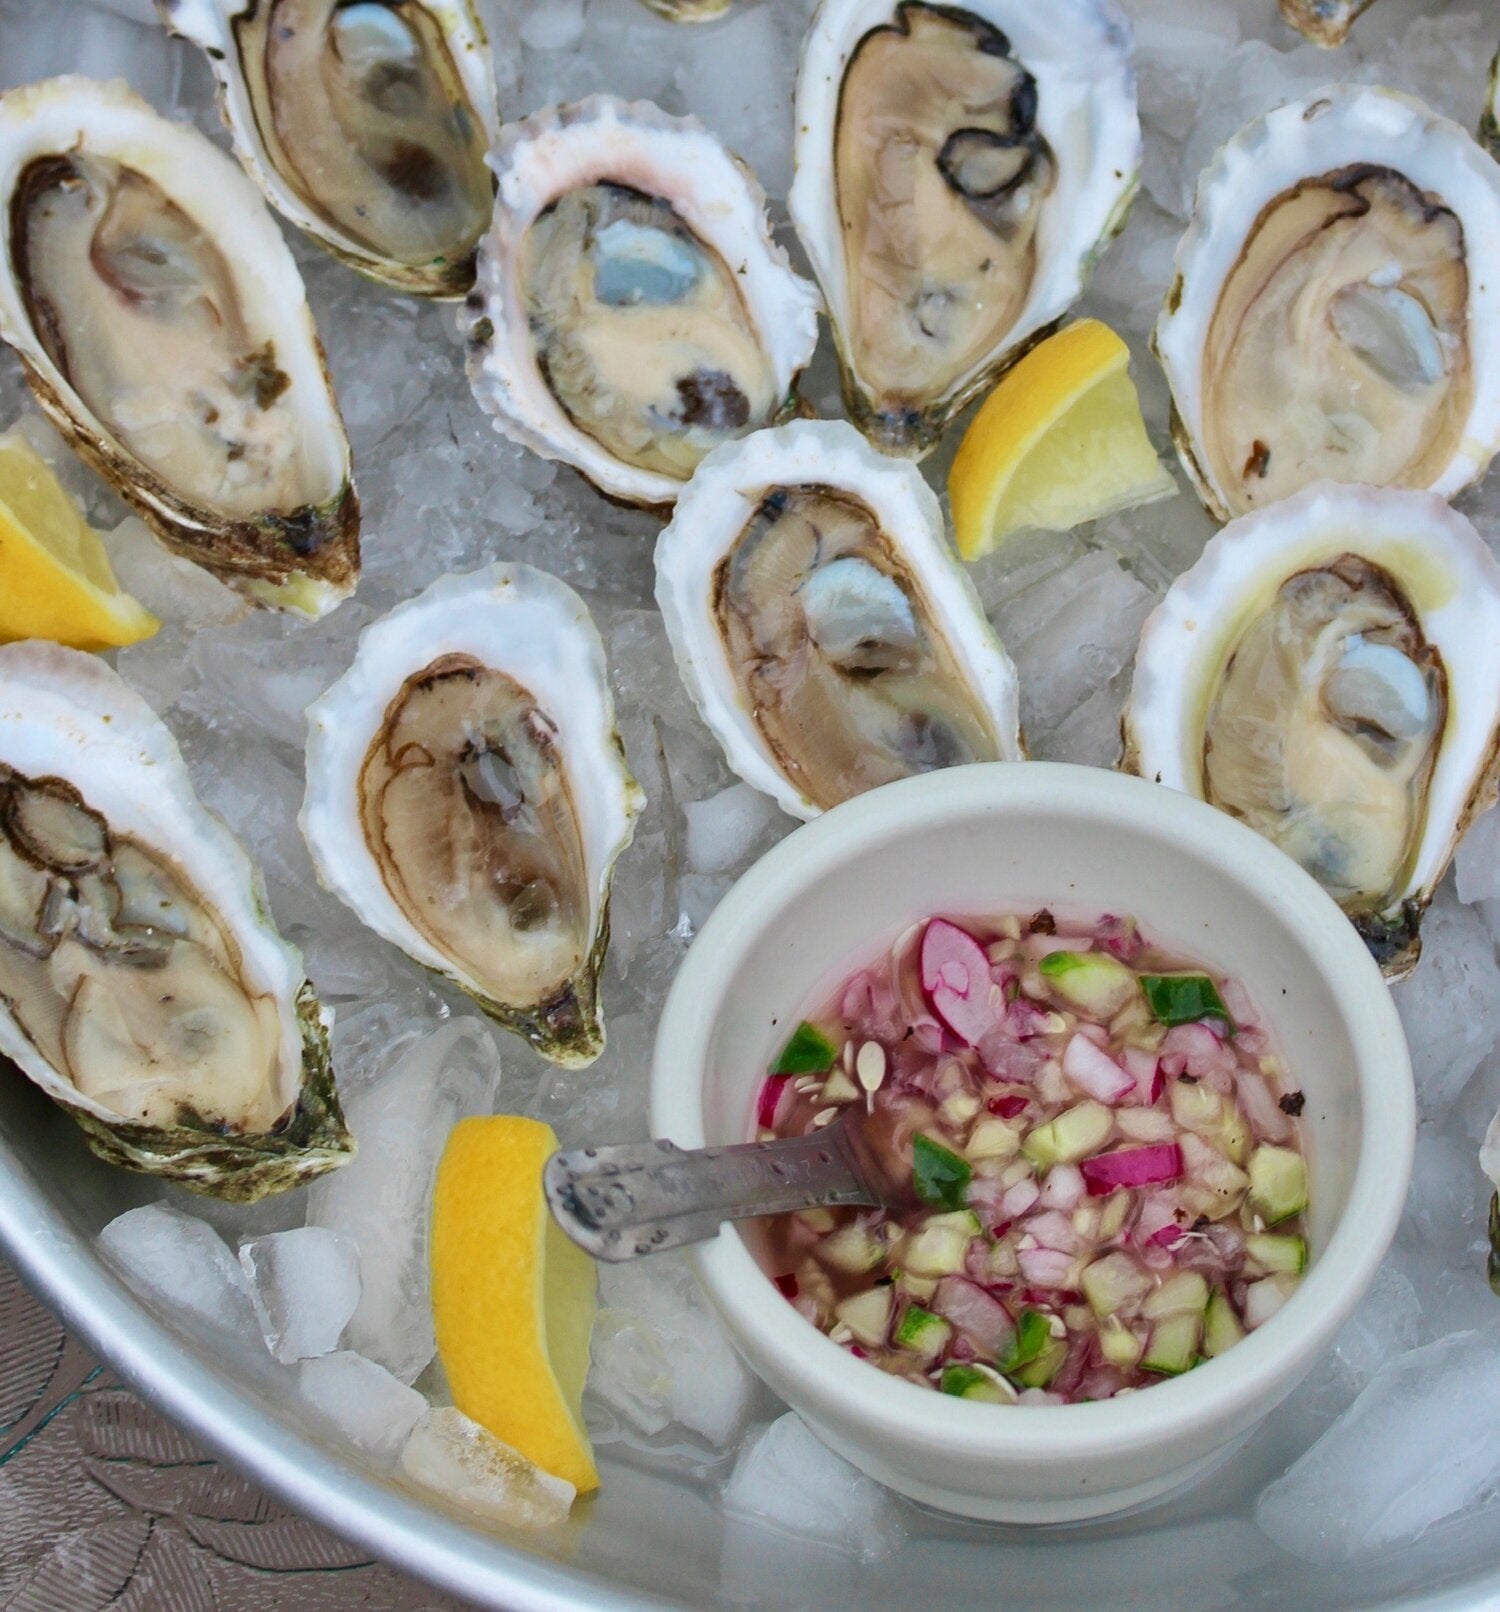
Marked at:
<point>558,172</point>
<point>1489,123</point>
<point>864,642</point>
<point>1361,629</point>
<point>1370,367</point>
<point>975,263</point>
<point>221,431</point>
<point>467,796</point>
<point>120,893</point>
<point>389,173</point>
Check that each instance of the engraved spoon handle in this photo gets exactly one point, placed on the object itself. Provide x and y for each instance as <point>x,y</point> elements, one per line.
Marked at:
<point>617,1203</point>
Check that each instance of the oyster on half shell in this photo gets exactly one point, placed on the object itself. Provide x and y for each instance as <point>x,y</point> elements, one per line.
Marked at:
<point>164,328</point>
<point>632,311</point>
<point>143,986</point>
<point>365,122</point>
<point>1325,22</point>
<point>467,796</point>
<point>960,169</point>
<point>1329,673</point>
<point>1333,315</point>
<point>825,631</point>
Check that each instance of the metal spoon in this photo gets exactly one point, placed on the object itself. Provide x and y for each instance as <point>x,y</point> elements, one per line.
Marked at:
<point>618,1203</point>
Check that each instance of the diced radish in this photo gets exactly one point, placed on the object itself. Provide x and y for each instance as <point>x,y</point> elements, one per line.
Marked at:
<point>1024,1019</point>
<point>1094,1071</point>
<point>1045,1267</point>
<point>1145,1069</point>
<point>1261,1108</point>
<point>982,1319</point>
<point>1201,1050</point>
<point>987,1200</point>
<point>1020,1199</point>
<point>1120,938</point>
<point>1132,1167</point>
<point>956,977</point>
<point>1063,1187</point>
<point>786,1286</point>
<point>1007,1105</point>
<point>1264,1298</point>
<point>1053,1229</point>
<point>1006,1058</point>
<point>769,1106</point>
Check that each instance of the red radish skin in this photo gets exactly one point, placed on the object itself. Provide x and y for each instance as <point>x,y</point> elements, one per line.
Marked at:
<point>770,1100</point>
<point>1132,1167</point>
<point>956,977</point>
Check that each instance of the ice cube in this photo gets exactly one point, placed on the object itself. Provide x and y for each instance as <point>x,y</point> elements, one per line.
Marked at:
<point>381,1200</point>
<point>352,1396</point>
<point>182,1268</point>
<point>1451,1004</point>
<point>1421,1443</point>
<point>787,1480</point>
<point>468,1466</point>
<point>1385,1325</point>
<point>723,830</point>
<point>558,25</point>
<point>305,1286</point>
<point>1477,864</point>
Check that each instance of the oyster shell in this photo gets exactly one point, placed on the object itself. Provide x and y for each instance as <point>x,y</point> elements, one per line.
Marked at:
<point>467,796</point>
<point>1489,123</point>
<point>1329,673</point>
<point>632,311</point>
<point>1332,317</point>
<point>959,172</point>
<point>143,986</point>
<point>164,329</point>
<point>1325,22</point>
<point>365,124</point>
<point>821,623</point>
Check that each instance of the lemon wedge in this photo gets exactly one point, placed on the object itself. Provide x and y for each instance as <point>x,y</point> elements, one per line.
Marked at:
<point>1059,441</point>
<point>512,1298</point>
<point>55,578</point>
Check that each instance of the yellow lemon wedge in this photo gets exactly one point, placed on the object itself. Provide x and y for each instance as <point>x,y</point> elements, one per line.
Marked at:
<point>512,1299</point>
<point>1059,441</point>
<point>55,578</point>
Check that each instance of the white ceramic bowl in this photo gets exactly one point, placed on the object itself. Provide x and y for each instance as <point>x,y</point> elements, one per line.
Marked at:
<point>1001,838</point>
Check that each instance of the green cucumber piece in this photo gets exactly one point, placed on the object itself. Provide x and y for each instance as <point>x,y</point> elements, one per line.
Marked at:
<point>922,1332</point>
<point>979,1383</point>
<point>1278,1183</point>
<point>1196,1108</point>
<point>1118,1344</point>
<point>1074,1134</point>
<point>1032,1335</point>
<point>1184,998</point>
<point>941,1247</point>
<point>1221,1326</point>
<point>809,1052</point>
<point>1114,1283</point>
<point>1173,1348</point>
<point>1270,1252</point>
<point>853,1248</point>
<point>1185,1293</point>
<point>1093,982</point>
<point>868,1316</point>
<point>993,1138</point>
<point>941,1177</point>
<point>1039,1372</point>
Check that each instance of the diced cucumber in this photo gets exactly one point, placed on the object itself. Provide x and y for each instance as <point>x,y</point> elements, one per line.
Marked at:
<point>1265,1297</point>
<point>1114,1283</point>
<point>1074,1134</point>
<point>853,1248</point>
<point>1184,998</point>
<point>868,1316</point>
<point>1278,1183</point>
<point>922,1332</point>
<point>1033,1333</point>
<point>959,1109</point>
<point>1196,1107</point>
<point>809,1052</point>
<point>977,1382</point>
<point>993,1139</point>
<point>1234,1136</point>
<point>940,1176</point>
<point>1270,1252</point>
<point>1112,1215</point>
<point>941,1246</point>
<point>1093,982</point>
<point>920,1288</point>
<point>1173,1348</point>
<point>1118,1344</point>
<point>1039,1372</point>
<point>819,1220</point>
<point>1221,1326</point>
<point>838,1088</point>
<point>1185,1292</point>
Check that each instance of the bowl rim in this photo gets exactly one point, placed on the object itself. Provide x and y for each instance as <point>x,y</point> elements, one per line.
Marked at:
<point>1261,1368</point>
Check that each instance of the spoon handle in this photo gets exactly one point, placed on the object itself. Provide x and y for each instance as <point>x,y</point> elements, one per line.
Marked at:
<point>617,1203</point>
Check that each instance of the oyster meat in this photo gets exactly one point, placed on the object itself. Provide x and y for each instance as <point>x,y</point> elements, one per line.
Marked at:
<point>1325,22</point>
<point>821,624</point>
<point>959,171</point>
<point>164,329</point>
<point>467,796</point>
<point>365,123</point>
<point>1329,673</point>
<point>632,312</point>
<point>688,10</point>
<point>1330,318</point>
<point>142,985</point>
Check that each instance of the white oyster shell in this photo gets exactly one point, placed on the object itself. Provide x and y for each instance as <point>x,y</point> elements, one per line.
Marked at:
<point>1339,127</point>
<point>218,27</point>
<point>607,141</point>
<point>66,716</point>
<point>1489,123</point>
<point>1450,582</point>
<point>525,624</point>
<point>1325,22</point>
<point>303,555</point>
<point>1080,54</point>
<point>712,514</point>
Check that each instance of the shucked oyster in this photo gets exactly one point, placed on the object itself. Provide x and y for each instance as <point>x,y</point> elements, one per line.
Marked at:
<point>142,985</point>
<point>365,123</point>
<point>959,172</point>
<point>1325,22</point>
<point>1329,673</point>
<point>467,796</point>
<point>1334,316</point>
<point>632,312</point>
<point>821,624</point>
<point>164,329</point>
